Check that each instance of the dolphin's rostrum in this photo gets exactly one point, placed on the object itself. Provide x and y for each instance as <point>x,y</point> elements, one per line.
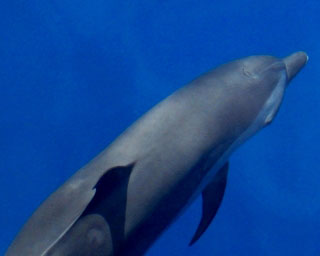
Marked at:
<point>122,200</point>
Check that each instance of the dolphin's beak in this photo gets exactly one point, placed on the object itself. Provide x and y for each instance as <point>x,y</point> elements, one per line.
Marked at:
<point>294,63</point>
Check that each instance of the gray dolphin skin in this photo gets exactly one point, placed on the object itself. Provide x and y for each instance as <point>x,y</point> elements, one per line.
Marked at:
<point>121,201</point>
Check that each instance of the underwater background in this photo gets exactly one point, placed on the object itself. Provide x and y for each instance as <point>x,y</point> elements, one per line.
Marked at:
<point>75,74</point>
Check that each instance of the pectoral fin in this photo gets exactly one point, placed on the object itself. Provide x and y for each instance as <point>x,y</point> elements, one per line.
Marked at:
<point>211,199</point>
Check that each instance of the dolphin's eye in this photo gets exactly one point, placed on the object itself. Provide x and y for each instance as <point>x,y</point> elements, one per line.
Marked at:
<point>95,237</point>
<point>248,73</point>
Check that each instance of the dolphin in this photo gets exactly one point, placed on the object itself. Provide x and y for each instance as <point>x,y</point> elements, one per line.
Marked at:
<point>122,200</point>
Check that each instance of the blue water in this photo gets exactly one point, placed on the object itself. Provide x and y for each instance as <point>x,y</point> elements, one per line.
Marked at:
<point>75,74</point>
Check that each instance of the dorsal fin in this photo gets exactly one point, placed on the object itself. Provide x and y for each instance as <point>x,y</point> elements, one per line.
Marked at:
<point>211,199</point>
<point>63,208</point>
<point>110,201</point>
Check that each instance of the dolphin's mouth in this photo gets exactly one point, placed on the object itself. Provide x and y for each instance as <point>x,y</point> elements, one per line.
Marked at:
<point>294,63</point>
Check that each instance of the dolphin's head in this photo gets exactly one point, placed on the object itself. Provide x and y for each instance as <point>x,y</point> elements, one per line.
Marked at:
<point>294,63</point>
<point>256,86</point>
<point>247,93</point>
<point>273,75</point>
